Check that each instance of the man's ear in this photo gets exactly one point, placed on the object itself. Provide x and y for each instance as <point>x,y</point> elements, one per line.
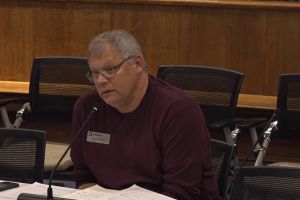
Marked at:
<point>140,63</point>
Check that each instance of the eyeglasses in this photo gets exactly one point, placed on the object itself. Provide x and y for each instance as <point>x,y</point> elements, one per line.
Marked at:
<point>108,72</point>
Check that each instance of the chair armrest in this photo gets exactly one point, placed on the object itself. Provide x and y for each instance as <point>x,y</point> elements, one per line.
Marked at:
<point>249,123</point>
<point>222,124</point>
<point>19,115</point>
<point>4,102</point>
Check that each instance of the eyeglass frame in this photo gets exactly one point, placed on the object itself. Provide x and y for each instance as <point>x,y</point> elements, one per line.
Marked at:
<point>109,75</point>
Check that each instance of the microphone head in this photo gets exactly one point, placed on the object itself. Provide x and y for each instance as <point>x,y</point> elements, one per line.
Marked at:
<point>96,107</point>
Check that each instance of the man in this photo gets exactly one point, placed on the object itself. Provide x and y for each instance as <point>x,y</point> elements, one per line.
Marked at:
<point>146,132</point>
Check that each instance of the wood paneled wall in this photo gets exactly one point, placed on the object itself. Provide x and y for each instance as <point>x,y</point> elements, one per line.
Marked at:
<point>259,40</point>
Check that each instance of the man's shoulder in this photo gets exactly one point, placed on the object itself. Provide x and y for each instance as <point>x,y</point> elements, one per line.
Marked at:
<point>169,93</point>
<point>91,94</point>
<point>89,98</point>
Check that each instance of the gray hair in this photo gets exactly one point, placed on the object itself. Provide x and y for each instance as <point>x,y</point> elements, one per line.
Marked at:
<point>121,40</point>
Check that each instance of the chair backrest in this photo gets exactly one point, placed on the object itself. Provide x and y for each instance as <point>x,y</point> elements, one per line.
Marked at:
<point>221,161</point>
<point>215,89</point>
<point>288,104</point>
<point>22,154</point>
<point>266,183</point>
<point>56,83</point>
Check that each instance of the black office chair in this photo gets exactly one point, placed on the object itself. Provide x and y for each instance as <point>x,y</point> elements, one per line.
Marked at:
<point>55,85</point>
<point>22,153</point>
<point>288,105</point>
<point>266,183</point>
<point>287,115</point>
<point>221,161</point>
<point>215,89</point>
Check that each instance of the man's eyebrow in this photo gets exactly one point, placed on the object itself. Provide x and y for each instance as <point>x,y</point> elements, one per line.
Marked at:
<point>105,65</point>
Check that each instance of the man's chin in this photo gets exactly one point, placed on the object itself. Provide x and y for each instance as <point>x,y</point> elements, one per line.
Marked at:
<point>110,101</point>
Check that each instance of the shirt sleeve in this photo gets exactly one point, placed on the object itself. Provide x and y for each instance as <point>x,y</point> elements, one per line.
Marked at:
<point>186,155</point>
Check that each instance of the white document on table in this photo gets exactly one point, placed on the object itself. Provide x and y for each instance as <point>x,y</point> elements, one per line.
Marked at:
<point>35,188</point>
<point>133,193</point>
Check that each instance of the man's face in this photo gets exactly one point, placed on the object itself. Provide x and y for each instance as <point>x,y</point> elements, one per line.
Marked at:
<point>118,89</point>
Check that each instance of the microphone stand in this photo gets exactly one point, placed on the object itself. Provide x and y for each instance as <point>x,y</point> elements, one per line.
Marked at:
<point>27,196</point>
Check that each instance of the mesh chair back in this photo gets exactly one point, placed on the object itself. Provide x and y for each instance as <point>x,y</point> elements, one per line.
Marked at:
<point>22,154</point>
<point>215,89</point>
<point>266,183</point>
<point>56,83</point>
<point>221,158</point>
<point>288,104</point>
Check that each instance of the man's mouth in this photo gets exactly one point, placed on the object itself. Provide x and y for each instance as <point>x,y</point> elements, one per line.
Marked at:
<point>107,92</point>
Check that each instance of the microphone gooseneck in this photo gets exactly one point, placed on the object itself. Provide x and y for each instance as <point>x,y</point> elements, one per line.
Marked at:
<point>24,196</point>
<point>49,191</point>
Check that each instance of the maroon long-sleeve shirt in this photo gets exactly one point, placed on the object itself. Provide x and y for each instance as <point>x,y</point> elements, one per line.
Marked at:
<point>163,145</point>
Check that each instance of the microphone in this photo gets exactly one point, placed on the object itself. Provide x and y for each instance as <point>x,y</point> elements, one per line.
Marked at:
<point>28,196</point>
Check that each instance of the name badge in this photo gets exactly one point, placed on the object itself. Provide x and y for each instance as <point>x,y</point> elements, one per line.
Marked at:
<point>100,138</point>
